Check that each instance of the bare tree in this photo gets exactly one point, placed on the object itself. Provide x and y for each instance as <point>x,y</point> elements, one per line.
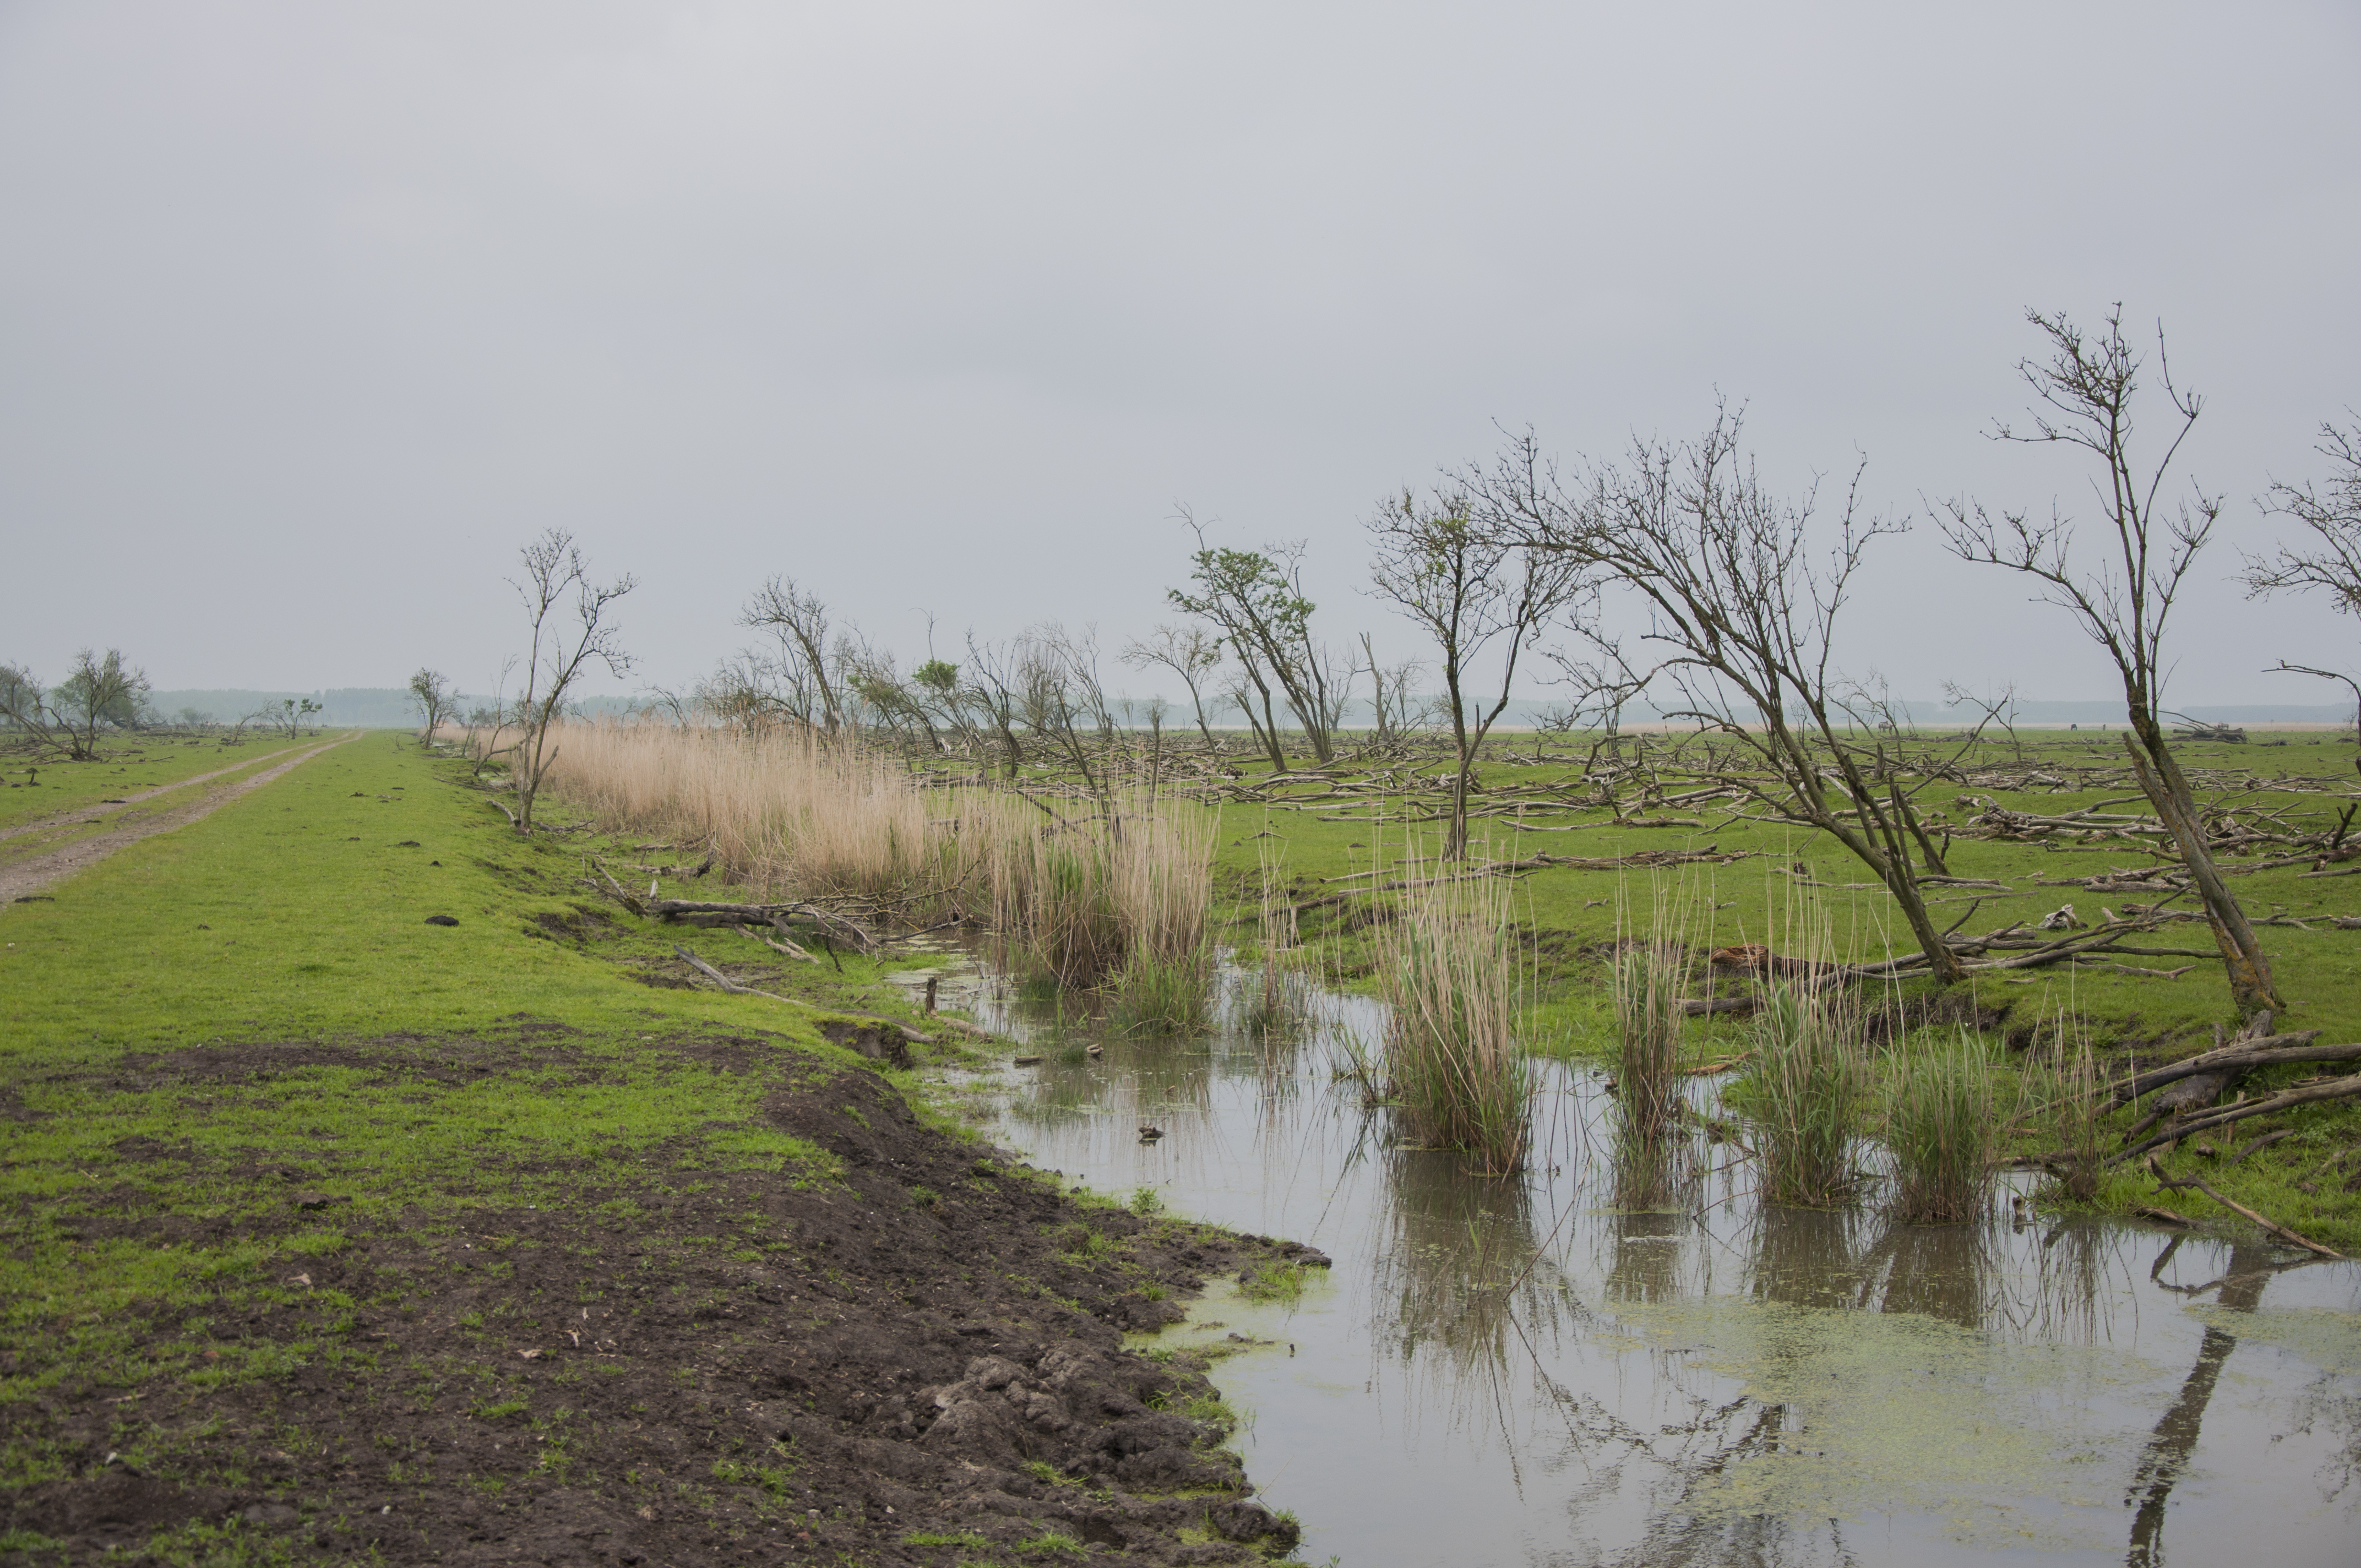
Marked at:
<point>744,691</point>
<point>679,707</point>
<point>98,695</point>
<point>2084,393</point>
<point>1061,699</point>
<point>1394,712</point>
<point>562,650</point>
<point>431,693</point>
<point>990,692</point>
<point>1599,689</point>
<point>1465,577</point>
<point>1190,652</point>
<point>1746,622</point>
<point>798,622</point>
<point>1256,600</point>
<point>2330,561</point>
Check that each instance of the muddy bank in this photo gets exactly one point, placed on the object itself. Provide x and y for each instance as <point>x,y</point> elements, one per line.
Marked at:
<point>924,1363</point>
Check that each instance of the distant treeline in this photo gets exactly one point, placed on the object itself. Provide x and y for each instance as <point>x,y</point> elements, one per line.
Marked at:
<point>371,708</point>
<point>389,707</point>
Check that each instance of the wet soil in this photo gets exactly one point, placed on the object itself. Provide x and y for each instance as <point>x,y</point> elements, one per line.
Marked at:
<point>931,1348</point>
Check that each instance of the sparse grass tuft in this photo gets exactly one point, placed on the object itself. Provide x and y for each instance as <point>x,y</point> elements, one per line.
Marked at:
<point>1051,1541</point>
<point>1274,1282</point>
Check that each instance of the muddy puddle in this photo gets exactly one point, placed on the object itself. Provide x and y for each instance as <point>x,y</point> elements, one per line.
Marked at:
<point>1516,1373</point>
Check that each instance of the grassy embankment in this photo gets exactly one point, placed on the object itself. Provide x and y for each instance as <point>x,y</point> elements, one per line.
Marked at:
<point>1572,917</point>
<point>236,1055</point>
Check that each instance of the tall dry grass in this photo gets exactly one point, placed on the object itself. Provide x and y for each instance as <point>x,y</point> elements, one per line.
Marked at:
<point>1447,966</point>
<point>1082,900</point>
<point>787,814</point>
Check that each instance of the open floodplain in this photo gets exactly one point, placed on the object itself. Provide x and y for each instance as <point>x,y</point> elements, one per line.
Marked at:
<point>386,1185</point>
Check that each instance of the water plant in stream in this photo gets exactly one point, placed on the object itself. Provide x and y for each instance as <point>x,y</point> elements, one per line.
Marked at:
<point>1939,1127</point>
<point>1082,900</point>
<point>1648,977</point>
<point>1159,995</point>
<point>1457,1074</point>
<point>1809,1086</point>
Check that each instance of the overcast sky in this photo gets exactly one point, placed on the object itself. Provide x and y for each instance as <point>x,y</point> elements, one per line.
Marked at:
<point>310,314</point>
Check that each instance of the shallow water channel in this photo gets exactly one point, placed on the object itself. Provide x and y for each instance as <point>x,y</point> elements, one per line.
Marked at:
<point>1514,1372</point>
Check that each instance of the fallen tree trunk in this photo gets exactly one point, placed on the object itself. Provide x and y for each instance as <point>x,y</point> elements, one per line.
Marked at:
<point>2268,1051</point>
<point>732,986</point>
<point>696,912</point>
<point>2286,1100</point>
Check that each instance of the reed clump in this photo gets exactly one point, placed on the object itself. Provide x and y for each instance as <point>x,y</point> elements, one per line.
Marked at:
<point>1447,966</point>
<point>1155,995</point>
<point>2068,1098</point>
<point>1649,1022</point>
<point>1650,972</point>
<point>1809,1087</point>
<point>1272,1007</point>
<point>1941,1129</point>
<point>1118,901</point>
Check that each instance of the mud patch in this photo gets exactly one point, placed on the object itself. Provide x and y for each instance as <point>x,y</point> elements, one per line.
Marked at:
<point>741,1365</point>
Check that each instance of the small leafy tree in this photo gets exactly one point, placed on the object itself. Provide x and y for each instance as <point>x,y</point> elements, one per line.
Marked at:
<point>98,694</point>
<point>1468,582</point>
<point>432,694</point>
<point>562,647</point>
<point>288,715</point>
<point>1255,599</point>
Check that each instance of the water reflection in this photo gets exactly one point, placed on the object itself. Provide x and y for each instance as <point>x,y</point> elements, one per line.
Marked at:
<point>1943,1271</point>
<point>1461,1296</point>
<point>1525,1371</point>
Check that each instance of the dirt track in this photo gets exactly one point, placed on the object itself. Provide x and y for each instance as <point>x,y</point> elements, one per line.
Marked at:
<point>79,814</point>
<point>26,878</point>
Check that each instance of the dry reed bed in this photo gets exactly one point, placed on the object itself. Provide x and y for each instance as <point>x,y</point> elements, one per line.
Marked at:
<point>1081,896</point>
